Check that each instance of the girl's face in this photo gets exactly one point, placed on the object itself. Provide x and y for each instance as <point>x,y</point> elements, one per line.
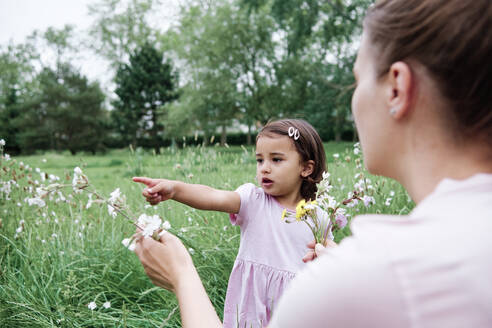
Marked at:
<point>279,166</point>
<point>370,112</point>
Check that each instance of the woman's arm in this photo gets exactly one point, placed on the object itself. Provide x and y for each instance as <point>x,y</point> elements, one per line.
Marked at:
<point>169,265</point>
<point>195,195</point>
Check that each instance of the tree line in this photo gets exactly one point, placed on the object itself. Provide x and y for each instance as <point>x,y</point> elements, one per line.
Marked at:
<point>224,66</point>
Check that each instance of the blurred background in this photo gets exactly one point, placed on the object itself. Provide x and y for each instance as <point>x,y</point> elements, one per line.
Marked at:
<point>88,76</point>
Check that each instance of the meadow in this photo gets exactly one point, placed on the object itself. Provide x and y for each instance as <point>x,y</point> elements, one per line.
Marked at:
<point>59,260</point>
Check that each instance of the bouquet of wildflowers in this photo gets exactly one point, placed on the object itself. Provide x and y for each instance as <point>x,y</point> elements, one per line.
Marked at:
<point>324,214</point>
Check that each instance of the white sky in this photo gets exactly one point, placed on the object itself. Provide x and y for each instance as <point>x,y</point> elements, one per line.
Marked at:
<point>19,18</point>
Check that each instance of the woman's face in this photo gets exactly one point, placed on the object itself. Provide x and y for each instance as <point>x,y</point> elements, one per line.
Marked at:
<point>370,112</point>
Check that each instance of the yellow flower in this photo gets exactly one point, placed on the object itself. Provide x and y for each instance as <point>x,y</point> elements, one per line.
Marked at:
<point>284,213</point>
<point>300,210</point>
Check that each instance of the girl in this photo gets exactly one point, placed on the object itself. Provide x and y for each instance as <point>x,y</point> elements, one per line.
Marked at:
<point>290,161</point>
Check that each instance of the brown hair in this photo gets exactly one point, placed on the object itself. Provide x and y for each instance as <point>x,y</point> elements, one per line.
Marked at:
<point>452,39</point>
<point>309,146</point>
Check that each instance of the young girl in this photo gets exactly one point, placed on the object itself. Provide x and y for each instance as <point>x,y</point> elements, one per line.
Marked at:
<point>291,160</point>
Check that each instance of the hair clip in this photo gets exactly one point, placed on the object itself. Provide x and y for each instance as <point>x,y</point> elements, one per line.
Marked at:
<point>294,133</point>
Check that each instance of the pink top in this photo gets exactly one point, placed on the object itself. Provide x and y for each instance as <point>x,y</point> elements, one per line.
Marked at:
<point>269,255</point>
<point>432,268</point>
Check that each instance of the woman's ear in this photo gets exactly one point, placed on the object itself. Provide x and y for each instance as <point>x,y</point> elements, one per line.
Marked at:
<point>307,168</point>
<point>401,83</point>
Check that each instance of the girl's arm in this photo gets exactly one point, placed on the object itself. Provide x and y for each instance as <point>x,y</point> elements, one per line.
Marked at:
<point>198,196</point>
<point>169,265</point>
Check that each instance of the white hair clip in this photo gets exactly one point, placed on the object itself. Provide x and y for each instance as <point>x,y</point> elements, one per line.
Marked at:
<point>294,133</point>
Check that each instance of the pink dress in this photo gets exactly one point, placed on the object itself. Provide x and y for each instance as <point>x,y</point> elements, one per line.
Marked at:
<point>270,253</point>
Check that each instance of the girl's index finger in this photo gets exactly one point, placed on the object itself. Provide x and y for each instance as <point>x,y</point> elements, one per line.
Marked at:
<point>144,180</point>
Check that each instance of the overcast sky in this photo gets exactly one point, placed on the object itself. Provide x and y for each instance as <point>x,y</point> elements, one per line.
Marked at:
<point>19,18</point>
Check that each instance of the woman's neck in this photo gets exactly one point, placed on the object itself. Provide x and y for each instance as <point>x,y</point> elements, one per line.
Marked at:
<point>421,171</point>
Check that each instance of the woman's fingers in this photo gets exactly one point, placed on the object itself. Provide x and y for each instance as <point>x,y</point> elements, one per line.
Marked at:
<point>164,260</point>
<point>330,244</point>
<point>318,249</point>
<point>310,255</point>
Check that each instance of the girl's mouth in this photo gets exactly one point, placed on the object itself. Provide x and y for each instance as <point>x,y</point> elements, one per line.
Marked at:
<point>266,182</point>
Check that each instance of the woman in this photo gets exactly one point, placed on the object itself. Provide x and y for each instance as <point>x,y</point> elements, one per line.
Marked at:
<point>423,111</point>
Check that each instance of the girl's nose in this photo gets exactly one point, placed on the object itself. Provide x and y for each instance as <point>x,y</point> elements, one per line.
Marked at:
<point>265,168</point>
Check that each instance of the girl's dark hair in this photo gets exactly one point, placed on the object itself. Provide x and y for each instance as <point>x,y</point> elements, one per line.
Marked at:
<point>309,146</point>
<point>452,39</point>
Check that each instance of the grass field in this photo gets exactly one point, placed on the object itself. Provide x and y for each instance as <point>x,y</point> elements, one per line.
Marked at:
<point>67,256</point>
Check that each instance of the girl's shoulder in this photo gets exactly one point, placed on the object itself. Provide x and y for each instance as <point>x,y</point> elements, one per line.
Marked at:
<point>249,188</point>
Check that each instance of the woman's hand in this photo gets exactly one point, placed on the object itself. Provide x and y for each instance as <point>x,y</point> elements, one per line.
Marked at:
<point>165,261</point>
<point>158,190</point>
<point>168,264</point>
<point>316,249</point>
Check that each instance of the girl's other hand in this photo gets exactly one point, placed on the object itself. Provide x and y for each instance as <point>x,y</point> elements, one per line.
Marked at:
<point>158,190</point>
<point>317,249</point>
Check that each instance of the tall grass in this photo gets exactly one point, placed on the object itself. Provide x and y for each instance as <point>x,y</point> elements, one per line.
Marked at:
<point>68,256</point>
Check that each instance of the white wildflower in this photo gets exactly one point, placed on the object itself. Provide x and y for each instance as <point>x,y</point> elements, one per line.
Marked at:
<point>2,142</point>
<point>112,212</point>
<point>79,180</point>
<point>89,202</point>
<point>166,225</point>
<point>368,200</point>
<point>129,243</point>
<point>36,201</point>
<point>149,224</point>
<point>92,306</point>
<point>41,192</point>
<point>107,305</point>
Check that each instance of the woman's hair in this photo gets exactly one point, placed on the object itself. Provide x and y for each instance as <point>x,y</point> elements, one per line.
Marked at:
<point>452,39</point>
<point>308,145</point>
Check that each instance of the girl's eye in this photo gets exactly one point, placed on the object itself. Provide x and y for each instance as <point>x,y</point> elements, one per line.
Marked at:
<point>259,160</point>
<point>277,159</point>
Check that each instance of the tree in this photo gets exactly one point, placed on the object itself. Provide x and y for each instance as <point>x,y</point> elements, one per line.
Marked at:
<point>17,78</point>
<point>315,72</point>
<point>228,66</point>
<point>65,113</point>
<point>144,87</point>
<point>121,27</point>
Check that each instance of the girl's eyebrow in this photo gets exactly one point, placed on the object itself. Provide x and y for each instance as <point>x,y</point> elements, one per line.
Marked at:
<point>272,154</point>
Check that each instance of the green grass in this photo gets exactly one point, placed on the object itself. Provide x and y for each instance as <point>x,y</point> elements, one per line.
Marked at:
<point>67,256</point>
